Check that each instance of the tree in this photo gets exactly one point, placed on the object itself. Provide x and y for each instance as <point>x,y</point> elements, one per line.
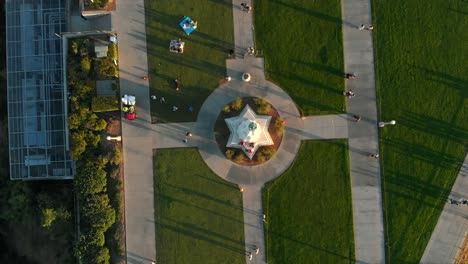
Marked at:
<point>99,256</point>
<point>92,138</point>
<point>88,241</point>
<point>90,180</point>
<point>74,121</point>
<point>17,205</point>
<point>78,144</point>
<point>98,212</point>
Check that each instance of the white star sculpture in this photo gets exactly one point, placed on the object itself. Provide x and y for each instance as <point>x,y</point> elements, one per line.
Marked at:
<point>249,131</point>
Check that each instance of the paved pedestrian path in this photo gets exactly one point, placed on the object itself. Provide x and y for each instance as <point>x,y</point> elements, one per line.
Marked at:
<point>452,226</point>
<point>363,136</point>
<point>129,22</point>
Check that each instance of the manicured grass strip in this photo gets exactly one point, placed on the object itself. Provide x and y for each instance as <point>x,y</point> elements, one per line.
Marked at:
<point>309,211</point>
<point>198,215</point>
<point>200,67</point>
<point>422,84</point>
<point>303,47</point>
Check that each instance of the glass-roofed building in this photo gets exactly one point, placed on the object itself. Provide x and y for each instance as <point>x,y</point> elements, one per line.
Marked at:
<point>37,114</point>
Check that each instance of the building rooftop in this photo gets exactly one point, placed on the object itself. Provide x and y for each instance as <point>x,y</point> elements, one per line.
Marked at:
<point>37,114</point>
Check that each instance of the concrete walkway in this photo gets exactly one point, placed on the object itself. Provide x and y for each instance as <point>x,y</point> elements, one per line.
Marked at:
<point>452,226</point>
<point>363,136</point>
<point>129,22</point>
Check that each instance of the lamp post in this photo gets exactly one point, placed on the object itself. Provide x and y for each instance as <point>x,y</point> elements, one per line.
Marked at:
<point>382,124</point>
<point>117,138</point>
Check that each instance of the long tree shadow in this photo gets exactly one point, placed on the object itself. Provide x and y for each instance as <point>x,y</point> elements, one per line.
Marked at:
<point>423,153</point>
<point>280,236</point>
<point>446,79</point>
<point>167,200</point>
<point>310,12</point>
<point>200,236</point>
<point>440,128</point>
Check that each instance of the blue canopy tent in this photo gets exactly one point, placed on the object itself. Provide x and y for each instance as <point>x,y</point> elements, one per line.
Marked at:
<point>188,25</point>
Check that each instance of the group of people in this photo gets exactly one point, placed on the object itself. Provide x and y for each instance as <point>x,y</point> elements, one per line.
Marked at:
<point>190,24</point>
<point>245,7</point>
<point>351,75</point>
<point>248,146</point>
<point>363,26</point>
<point>460,201</point>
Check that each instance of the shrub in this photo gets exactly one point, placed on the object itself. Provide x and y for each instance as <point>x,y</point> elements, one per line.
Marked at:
<point>259,101</point>
<point>260,157</point>
<point>278,126</point>
<point>83,90</point>
<point>237,104</point>
<point>85,65</point>
<point>229,153</point>
<point>264,109</point>
<point>48,217</point>
<point>104,104</point>
<point>114,173</point>
<point>75,46</point>
<point>265,153</point>
<point>103,69</point>
<point>92,138</point>
<point>115,157</point>
<point>227,108</point>
<point>112,51</point>
<point>239,157</point>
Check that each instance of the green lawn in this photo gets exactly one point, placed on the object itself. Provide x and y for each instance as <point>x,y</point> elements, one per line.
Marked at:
<point>200,67</point>
<point>309,211</point>
<point>303,47</point>
<point>421,55</point>
<point>199,217</point>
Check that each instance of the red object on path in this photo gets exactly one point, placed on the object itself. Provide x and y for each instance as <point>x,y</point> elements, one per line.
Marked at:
<point>130,116</point>
<point>145,77</point>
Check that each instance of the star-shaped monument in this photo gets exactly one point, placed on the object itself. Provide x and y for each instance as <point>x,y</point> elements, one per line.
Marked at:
<point>249,131</point>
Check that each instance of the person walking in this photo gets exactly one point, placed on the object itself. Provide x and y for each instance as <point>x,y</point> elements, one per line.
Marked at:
<point>370,27</point>
<point>357,118</point>
<point>351,75</point>
<point>257,250</point>
<point>375,156</point>
<point>362,27</point>
<point>349,93</point>
<point>188,134</point>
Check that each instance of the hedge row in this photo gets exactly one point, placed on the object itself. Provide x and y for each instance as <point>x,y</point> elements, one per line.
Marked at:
<point>104,104</point>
